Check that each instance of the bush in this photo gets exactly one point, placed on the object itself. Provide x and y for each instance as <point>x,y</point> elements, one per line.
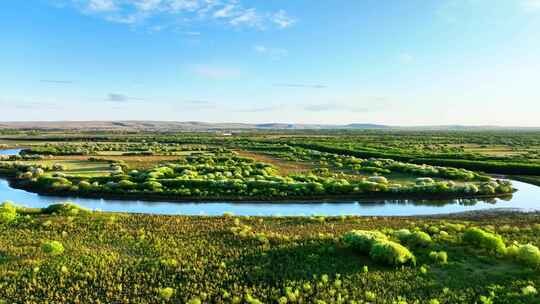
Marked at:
<point>65,209</point>
<point>528,255</point>
<point>166,293</point>
<point>8,213</point>
<point>454,227</point>
<point>391,253</point>
<point>440,257</point>
<point>486,240</point>
<point>52,248</point>
<point>414,239</point>
<point>529,291</point>
<point>378,179</point>
<point>7,217</point>
<point>362,240</point>
<point>402,234</point>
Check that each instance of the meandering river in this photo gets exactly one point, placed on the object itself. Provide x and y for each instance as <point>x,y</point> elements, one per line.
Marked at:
<point>527,198</point>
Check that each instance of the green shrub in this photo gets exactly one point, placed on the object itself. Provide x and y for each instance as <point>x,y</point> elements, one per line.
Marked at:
<point>167,292</point>
<point>362,240</point>
<point>7,217</point>
<point>486,240</point>
<point>391,253</point>
<point>526,254</point>
<point>52,248</point>
<point>65,209</point>
<point>529,291</point>
<point>8,213</point>
<point>416,239</point>
<point>440,257</point>
<point>454,227</point>
<point>402,234</point>
<point>370,296</point>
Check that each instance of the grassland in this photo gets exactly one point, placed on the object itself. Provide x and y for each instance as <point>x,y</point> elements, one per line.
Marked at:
<point>65,254</point>
<point>119,258</point>
<point>254,171</point>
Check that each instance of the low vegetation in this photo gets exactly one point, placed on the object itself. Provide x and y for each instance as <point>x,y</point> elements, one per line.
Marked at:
<point>67,254</point>
<point>223,174</point>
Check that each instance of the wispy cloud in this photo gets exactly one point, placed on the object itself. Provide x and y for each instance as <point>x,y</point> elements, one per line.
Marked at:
<point>224,12</point>
<point>282,19</point>
<point>272,53</point>
<point>56,81</point>
<point>248,17</point>
<point>116,97</point>
<point>101,5</point>
<point>301,85</point>
<point>151,13</point>
<point>215,72</point>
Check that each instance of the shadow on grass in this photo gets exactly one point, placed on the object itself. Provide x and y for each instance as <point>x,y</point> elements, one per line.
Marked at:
<point>294,261</point>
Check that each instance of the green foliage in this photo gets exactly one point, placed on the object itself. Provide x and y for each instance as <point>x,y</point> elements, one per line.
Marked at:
<point>362,240</point>
<point>391,253</point>
<point>299,260</point>
<point>8,213</point>
<point>220,173</point>
<point>167,292</point>
<point>440,257</point>
<point>414,239</point>
<point>526,254</point>
<point>486,240</point>
<point>52,248</point>
<point>65,209</point>
<point>529,291</point>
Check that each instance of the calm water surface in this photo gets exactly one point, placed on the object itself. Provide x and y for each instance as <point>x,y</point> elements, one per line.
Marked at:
<point>527,197</point>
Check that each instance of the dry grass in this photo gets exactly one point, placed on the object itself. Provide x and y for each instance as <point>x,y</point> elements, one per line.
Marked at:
<point>284,167</point>
<point>134,161</point>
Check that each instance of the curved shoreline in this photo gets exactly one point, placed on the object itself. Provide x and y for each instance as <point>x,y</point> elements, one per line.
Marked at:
<point>13,183</point>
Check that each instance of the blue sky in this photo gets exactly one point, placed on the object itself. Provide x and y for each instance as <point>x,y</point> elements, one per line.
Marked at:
<point>414,62</point>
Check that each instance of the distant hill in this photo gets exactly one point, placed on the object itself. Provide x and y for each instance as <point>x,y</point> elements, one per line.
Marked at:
<point>133,125</point>
<point>177,126</point>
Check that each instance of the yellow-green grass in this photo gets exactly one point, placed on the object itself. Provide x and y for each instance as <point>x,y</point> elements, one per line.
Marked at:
<point>204,258</point>
<point>78,167</point>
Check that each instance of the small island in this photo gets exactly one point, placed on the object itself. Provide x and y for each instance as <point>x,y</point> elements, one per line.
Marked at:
<point>214,168</point>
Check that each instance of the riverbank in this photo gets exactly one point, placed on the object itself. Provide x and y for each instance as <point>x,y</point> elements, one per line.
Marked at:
<point>153,197</point>
<point>525,198</point>
<point>535,180</point>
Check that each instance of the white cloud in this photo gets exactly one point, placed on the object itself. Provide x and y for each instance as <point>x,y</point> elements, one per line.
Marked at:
<point>248,17</point>
<point>273,53</point>
<point>153,13</point>
<point>129,19</point>
<point>148,5</point>
<point>282,19</point>
<point>224,12</point>
<point>101,5</point>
